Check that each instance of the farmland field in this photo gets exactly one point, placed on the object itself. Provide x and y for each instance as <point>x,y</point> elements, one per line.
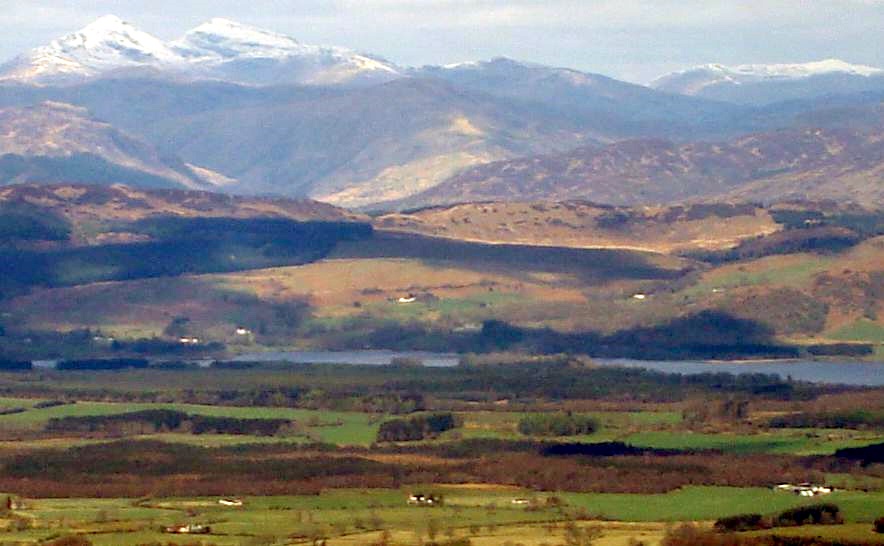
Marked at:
<point>327,426</point>
<point>660,429</point>
<point>487,514</point>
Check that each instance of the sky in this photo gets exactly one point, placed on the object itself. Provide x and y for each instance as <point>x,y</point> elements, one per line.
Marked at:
<point>634,40</point>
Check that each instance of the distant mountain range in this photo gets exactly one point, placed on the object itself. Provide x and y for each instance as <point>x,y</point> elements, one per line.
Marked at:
<point>769,83</point>
<point>235,108</point>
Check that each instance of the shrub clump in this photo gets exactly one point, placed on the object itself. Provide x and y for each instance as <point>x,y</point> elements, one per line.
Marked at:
<point>814,514</point>
<point>742,522</point>
<point>417,428</point>
<point>557,424</point>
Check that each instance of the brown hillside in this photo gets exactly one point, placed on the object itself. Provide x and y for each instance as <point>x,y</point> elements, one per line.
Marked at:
<point>808,164</point>
<point>93,210</point>
<point>585,225</point>
<point>57,143</point>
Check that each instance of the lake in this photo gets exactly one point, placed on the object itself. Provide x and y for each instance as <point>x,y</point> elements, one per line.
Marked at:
<point>843,372</point>
<point>370,358</point>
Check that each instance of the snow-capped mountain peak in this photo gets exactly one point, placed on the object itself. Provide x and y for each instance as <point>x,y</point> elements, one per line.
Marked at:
<point>693,81</point>
<point>227,49</point>
<point>225,39</point>
<point>217,49</point>
<point>107,43</point>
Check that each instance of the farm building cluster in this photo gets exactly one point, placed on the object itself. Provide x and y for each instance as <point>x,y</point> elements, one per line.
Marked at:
<point>804,489</point>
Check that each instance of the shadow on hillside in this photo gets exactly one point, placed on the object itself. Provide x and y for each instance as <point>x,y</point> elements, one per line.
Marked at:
<point>708,335</point>
<point>592,266</point>
<point>179,246</point>
<point>705,335</point>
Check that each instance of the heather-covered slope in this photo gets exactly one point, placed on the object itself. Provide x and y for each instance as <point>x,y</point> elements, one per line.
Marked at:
<point>808,164</point>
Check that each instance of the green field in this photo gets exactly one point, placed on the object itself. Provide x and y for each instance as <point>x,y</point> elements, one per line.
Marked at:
<point>612,424</point>
<point>476,511</point>
<point>335,513</point>
<point>861,330</point>
<point>653,429</point>
<point>343,428</point>
<point>791,270</point>
<point>708,503</point>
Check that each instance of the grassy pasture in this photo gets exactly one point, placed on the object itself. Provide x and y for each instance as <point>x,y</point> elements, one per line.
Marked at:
<point>353,517</point>
<point>334,513</point>
<point>641,428</point>
<point>345,428</point>
<point>660,430</point>
<point>861,330</point>
<point>612,424</point>
<point>790,270</point>
<point>708,503</point>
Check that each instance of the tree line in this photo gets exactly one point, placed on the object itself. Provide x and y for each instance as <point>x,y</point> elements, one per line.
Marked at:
<point>164,420</point>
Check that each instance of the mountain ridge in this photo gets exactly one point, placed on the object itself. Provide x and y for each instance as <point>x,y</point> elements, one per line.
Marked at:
<point>813,163</point>
<point>51,141</point>
<point>768,83</point>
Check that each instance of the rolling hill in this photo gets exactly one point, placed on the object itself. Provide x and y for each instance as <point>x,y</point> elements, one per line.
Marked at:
<point>583,224</point>
<point>99,214</point>
<point>70,235</point>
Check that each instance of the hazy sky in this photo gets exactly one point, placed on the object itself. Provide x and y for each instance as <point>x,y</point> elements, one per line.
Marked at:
<point>635,40</point>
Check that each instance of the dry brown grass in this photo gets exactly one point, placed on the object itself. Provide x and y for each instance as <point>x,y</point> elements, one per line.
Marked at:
<point>342,281</point>
<point>575,225</point>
